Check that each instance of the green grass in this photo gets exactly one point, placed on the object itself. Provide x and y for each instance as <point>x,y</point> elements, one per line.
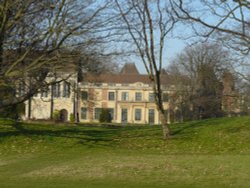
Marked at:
<point>209,153</point>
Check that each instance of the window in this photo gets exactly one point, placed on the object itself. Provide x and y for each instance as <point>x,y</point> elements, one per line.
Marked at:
<point>151,116</point>
<point>166,113</point>
<point>66,89</point>
<point>138,96</point>
<point>124,96</point>
<point>124,113</point>
<point>111,96</point>
<point>137,114</point>
<point>111,112</point>
<point>44,93</point>
<point>83,113</point>
<point>56,90</point>
<point>151,97</point>
<point>165,97</point>
<point>84,95</point>
<point>97,114</point>
<point>20,89</point>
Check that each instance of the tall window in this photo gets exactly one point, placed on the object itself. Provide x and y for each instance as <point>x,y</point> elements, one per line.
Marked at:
<point>166,113</point>
<point>151,97</point>
<point>165,97</point>
<point>124,96</point>
<point>151,116</point>
<point>35,95</point>
<point>66,89</point>
<point>44,93</point>
<point>111,96</point>
<point>111,112</point>
<point>20,89</point>
<point>138,96</point>
<point>56,90</point>
<point>137,114</point>
<point>83,113</point>
<point>97,113</point>
<point>84,95</point>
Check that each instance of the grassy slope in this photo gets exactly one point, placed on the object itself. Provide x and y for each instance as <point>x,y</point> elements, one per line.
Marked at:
<point>199,154</point>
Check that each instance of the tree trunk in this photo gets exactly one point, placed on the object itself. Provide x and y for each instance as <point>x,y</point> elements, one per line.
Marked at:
<point>1,55</point>
<point>52,103</point>
<point>29,109</point>
<point>165,126</point>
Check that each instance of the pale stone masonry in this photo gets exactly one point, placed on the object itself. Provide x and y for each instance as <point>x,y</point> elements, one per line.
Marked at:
<point>128,96</point>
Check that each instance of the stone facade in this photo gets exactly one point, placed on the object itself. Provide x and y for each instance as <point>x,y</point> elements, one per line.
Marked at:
<point>128,103</point>
<point>58,97</point>
<point>128,96</point>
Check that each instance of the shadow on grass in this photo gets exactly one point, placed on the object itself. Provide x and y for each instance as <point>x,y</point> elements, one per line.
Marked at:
<point>181,129</point>
<point>94,136</point>
<point>91,137</point>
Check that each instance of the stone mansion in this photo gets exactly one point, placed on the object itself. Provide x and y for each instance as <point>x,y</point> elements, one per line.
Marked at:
<point>128,96</point>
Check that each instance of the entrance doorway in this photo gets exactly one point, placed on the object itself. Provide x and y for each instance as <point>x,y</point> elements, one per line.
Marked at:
<point>63,115</point>
<point>151,116</point>
<point>124,115</point>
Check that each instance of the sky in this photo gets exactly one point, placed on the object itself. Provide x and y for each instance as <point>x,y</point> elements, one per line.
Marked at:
<point>173,47</point>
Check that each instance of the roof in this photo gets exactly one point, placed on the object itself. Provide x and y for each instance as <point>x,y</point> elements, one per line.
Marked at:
<point>129,68</point>
<point>128,75</point>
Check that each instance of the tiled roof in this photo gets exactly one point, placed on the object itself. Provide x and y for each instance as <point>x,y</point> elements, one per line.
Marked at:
<point>129,68</point>
<point>128,75</point>
<point>122,78</point>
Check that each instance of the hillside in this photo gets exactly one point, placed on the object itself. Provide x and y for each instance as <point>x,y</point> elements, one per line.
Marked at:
<point>203,153</point>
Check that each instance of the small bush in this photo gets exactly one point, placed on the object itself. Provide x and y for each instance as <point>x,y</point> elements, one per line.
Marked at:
<point>13,111</point>
<point>72,118</point>
<point>105,116</point>
<point>56,115</point>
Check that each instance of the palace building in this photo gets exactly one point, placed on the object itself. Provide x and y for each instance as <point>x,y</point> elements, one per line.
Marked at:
<point>128,96</point>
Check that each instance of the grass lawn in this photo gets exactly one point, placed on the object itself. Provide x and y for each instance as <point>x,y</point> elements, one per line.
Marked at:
<point>209,153</point>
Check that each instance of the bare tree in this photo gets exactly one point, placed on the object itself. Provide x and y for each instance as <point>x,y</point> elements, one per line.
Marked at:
<point>202,66</point>
<point>148,23</point>
<point>38,37</point>
<point>226,21</point>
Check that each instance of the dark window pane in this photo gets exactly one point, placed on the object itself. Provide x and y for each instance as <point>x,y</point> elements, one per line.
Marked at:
<point>138,96</point>
<point>124,96</point>
<point>83,113</point>
<point>111,96</point>
<point>151,97</point>
<point>137,114</point>
<point>84,95</point>
<point>165,97</point>
<point>66,89</point>
<point>56,90</point>
<point>97,113</point>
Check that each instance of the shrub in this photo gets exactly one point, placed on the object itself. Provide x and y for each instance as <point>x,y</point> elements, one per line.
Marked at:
<point>13,111</point>
<point>56,115</point>
<point>105,116</point>
<point>72,118</point>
